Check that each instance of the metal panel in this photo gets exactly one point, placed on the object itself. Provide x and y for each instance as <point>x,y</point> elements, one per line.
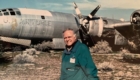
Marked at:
<point>58,43</point>
<point>119,39</point>
<point>61,22</point>
<point>16,41</point>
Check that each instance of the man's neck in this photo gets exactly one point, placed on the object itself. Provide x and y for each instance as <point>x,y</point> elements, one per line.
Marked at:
<point>70,47</point>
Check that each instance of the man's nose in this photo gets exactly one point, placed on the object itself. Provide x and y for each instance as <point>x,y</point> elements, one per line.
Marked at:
<point>67,39</point>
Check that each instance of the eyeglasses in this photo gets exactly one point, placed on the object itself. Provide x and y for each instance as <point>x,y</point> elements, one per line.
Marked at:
<point>69,37</point>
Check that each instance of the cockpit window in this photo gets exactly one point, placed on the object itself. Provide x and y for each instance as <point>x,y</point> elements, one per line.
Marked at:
<point>6,13</point>
<point>4,10</point>
<point>42,17</point>
<point>12,13</point>
<point>18,13</point>
<point>11,10</point>
<point>0,13</point>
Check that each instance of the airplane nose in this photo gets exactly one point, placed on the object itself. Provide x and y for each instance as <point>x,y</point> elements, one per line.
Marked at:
<point>4,26</point>
<point>1,26</point>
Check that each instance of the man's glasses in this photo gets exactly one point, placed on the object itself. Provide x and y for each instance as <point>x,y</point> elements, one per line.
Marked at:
<point>69,37</point>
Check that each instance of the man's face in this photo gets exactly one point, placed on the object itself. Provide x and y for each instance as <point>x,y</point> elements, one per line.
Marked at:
<point>69,37</point>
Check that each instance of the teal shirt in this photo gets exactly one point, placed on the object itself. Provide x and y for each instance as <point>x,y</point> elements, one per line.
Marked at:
<point>80,52</point>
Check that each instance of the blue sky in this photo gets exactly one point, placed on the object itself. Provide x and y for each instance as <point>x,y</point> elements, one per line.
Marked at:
<point>115,9</point>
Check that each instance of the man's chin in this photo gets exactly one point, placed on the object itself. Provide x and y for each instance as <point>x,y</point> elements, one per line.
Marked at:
<point>69,45</point>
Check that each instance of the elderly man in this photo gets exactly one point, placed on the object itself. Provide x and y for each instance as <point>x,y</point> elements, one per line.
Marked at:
<point>77,63</point>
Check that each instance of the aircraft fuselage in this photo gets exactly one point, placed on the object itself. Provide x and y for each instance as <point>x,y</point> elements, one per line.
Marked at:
<point>34,24</point>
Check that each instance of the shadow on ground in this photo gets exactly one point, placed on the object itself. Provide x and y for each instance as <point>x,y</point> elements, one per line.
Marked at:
<point>133,61</point>
<point>5,60</point>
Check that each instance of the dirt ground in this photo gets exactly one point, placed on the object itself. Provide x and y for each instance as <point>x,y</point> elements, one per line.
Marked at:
<point>47,67</point>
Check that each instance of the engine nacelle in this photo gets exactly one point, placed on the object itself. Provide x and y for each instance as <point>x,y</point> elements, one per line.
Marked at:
<point>96,27</point>
<point>135,17</point>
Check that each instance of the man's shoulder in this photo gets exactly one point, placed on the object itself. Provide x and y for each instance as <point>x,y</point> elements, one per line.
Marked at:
<point>82,45</point>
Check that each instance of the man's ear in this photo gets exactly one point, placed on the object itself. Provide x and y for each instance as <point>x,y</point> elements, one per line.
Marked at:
<point>75,35</point>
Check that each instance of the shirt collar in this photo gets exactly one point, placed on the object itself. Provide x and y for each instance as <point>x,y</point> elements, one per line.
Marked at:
<point>73,48</point>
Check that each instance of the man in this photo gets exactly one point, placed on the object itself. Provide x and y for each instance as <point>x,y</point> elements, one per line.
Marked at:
<point>77,63</point>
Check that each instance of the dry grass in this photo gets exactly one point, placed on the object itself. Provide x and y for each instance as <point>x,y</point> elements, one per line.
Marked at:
<point>44,46</point>
<point>101,47</point>
<point>121,70</point>
<point>47,67</point>
<point>106,66</point>
<point>23,58</point>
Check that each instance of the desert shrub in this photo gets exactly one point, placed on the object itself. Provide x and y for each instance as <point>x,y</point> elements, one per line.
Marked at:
<point>44,46</point>
<point>30,51</point>
<point>126,54</point>
<point>105,66</point>
<point>102,47</point>
<point>124,51</point>
<point>132,45</point>
<point>17,48</point>
<point>23,58</point>
<point>126,57</point>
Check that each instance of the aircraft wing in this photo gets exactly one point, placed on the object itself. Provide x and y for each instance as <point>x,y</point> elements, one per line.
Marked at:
<point>93,25</point>
<point>125,28</point>
<point>113,23</point>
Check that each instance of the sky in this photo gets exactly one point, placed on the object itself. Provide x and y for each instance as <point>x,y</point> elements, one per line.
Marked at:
<point>115,9</point>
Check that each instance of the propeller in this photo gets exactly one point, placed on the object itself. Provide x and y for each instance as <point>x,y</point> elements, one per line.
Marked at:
<point>135,21</point>
<point>91,16</point>
<point>83,26</point>
<point>136,18</point>
<point>77,11</point>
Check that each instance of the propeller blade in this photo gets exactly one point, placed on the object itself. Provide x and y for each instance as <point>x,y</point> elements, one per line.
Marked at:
<point>94,18</point>
<point>81,36</point>
<point>83,28</point>
<point>133,27</point>
<point>91,16</point>
<point>88,40</point>
<point>77,10</point>
<point>91,41</point>
<point>94,11</point>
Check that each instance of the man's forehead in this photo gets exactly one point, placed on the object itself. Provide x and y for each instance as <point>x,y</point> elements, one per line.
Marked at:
<point>69,32</point>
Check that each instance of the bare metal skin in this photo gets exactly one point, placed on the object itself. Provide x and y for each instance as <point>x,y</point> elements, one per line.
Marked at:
<point>36,25</point>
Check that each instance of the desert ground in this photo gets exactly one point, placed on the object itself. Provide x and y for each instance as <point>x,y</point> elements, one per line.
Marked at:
<point>46,66</point>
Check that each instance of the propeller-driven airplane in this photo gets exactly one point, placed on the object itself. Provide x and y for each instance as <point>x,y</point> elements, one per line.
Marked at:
<point>25,26</point>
